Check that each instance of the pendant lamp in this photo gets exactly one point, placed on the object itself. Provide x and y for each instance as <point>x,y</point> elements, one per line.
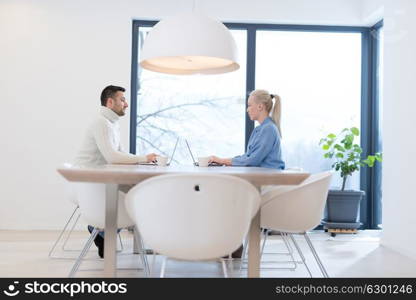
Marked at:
<point>189,43</point>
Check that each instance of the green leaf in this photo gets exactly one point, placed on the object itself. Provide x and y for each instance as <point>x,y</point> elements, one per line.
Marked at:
<point>331,136</point>
<point>325,147</point>
<point>357,149</point>
<point>339,148</point>
<point>349,139</point>
<point>340,155</point>
<point>355,131</point>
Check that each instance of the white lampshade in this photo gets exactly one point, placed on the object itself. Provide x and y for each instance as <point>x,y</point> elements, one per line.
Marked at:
<point>189,44</point>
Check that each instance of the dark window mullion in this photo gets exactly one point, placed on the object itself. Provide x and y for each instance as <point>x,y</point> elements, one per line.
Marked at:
<point>251,75</point>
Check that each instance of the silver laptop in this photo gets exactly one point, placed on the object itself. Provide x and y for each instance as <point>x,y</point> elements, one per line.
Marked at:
<point>170,159</point>
<point>211,164</point>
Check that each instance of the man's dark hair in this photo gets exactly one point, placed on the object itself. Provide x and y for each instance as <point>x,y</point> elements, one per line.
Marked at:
<point>109,92</point>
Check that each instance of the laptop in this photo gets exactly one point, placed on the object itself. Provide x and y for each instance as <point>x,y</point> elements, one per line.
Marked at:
<point>211,164</point>
<point>170,159</point>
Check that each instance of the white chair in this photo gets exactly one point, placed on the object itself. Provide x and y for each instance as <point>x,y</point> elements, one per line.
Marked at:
<point>296,210</point>
<point>72,197</point>
<point>193,217</point>
<point>266,232</point>
<point>91,199</point>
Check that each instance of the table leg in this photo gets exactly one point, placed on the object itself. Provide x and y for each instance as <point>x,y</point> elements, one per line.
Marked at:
<point>110,240</point>
<point>254,247</point>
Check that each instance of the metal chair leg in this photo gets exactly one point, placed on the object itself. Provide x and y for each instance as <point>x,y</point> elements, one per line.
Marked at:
<point>289,252</point>
<point>316,256</point>
<point>140,245</point>
<point>144,257</point>
<point>83,253</point>
<point>243,256</point>
<point>152,270</point>
<point>224,268</point>
<point>70,232</point>
<point>163,267</point>
<point>62,232</point>
<point>288,246</point>
<point>121,243</point>
<point>266,234</point>
<point>301,254</point>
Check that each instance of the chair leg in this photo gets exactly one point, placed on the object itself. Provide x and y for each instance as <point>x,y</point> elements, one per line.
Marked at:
<point>289,252</point>
<point>83,253</point>
<point>163,267</point>
<point>315,254</point>
<point>121,243</point>
<point>288,246</point>
<point>152,270</point>
<point>293,260</point>
<point>297,247</point>
<point>70,232</point>
<point>142,250</point>
<point>224,268</point>
<point>265,233</point>
<point>301,255</point>
<point>62,232</point>
<point>144,257</point>
<point>243,256</point>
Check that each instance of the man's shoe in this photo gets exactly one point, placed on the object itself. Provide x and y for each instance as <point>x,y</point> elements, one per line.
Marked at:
<point>99,242</point>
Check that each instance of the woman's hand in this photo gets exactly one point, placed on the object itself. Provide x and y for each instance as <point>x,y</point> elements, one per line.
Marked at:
<point>151,157</point>
<point>220,161</point>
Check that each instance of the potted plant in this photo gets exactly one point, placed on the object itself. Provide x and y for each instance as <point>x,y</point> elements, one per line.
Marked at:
<point>343,206</point>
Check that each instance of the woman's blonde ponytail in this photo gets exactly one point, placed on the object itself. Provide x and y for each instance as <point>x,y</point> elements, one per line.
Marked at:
<point>276,112</point>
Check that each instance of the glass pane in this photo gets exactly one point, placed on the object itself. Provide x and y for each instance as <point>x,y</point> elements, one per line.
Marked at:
<point>318,76</point>
<point>207,110</point>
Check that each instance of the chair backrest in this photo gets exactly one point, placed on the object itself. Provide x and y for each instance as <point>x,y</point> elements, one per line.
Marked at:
<point>91,201</point>
<point>193,217</point>
<point>297,209</point>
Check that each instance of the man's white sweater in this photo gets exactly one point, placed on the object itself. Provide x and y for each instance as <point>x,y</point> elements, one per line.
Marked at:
<point>102,145</point>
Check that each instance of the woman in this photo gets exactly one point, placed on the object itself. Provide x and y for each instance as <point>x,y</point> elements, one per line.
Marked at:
<point>263,149</point>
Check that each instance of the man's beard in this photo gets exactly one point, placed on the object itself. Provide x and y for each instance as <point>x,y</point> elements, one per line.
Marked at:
<point>120,113</point>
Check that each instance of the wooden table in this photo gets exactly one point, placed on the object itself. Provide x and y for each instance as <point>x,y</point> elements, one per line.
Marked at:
<point>115,175</point>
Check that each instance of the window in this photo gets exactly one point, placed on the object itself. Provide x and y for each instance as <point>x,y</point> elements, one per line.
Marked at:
<point>325,76</point>
<point>318,77</point>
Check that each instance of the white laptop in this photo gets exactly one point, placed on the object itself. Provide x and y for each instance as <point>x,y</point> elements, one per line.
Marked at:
<point>170,159</point>
<point>211,164</point>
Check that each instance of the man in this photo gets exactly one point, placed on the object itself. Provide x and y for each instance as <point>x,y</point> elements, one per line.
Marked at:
<point>102,141</point>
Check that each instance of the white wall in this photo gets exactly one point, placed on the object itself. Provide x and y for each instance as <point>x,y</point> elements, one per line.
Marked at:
<point>55,58</point>
<point>372,11</point>
<point>399,111</point>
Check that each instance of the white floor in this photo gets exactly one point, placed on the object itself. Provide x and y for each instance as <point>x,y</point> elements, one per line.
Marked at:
<point>25,254</point>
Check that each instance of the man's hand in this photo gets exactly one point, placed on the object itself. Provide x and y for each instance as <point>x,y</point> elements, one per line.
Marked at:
<point>151,157</point>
